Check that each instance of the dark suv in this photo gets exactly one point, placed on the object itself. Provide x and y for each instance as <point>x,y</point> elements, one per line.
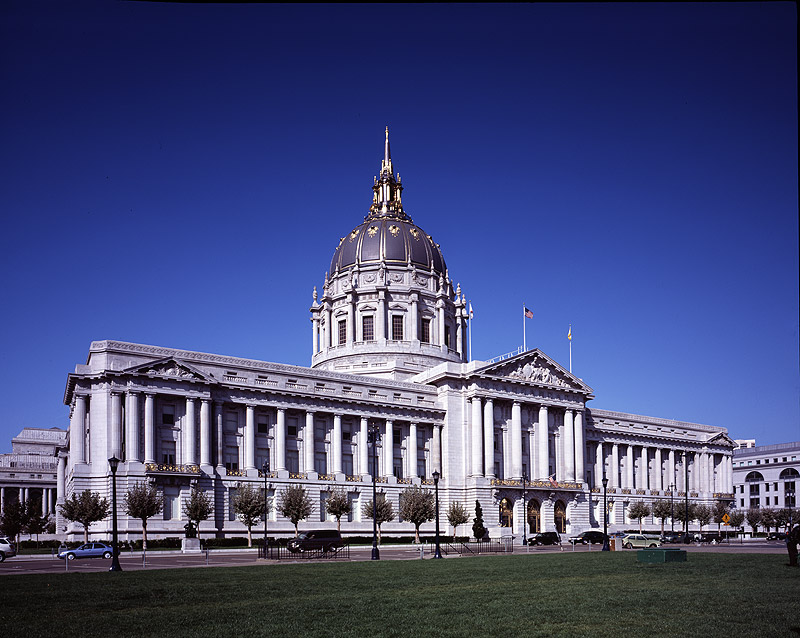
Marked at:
<point>321,539</point>
<point>590,536</point>
<point>545,538</point>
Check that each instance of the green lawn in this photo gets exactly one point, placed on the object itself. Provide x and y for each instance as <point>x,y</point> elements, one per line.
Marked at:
<point>581,594</point>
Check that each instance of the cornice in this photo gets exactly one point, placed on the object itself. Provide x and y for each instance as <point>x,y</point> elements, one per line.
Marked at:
<point>651,420</point>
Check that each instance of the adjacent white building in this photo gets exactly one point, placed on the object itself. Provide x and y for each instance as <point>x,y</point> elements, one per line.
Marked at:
<point>389,352</point>
<point>766,475</point>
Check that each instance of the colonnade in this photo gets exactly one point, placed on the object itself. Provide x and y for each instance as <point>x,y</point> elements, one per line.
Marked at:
<point>569,455</point>
<point>24,492</point>
<point>654,468</point>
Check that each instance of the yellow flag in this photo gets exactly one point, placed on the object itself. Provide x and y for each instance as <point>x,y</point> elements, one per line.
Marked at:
<point>569,334</point>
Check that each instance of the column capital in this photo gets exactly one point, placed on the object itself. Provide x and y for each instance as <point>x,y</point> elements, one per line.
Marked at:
<point>281,410</point>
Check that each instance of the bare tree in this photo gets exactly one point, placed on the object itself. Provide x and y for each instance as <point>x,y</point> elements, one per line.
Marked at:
<point>143,501</point>
<point>295,504</point>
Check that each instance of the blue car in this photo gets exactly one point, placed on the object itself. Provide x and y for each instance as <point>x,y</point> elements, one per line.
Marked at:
<point>87,550</point>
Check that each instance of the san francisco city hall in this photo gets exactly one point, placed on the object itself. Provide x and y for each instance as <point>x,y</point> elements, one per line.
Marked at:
<point>389,334</point>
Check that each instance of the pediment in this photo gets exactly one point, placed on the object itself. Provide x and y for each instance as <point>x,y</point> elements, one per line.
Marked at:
<point>722,439</point>
<point>171,368</point>
<point>536,368</point>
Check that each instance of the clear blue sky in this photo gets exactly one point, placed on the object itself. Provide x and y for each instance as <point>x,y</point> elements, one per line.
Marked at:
<point>179,175</point>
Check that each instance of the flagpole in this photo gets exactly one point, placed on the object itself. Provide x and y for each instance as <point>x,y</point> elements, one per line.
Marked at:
<point>569,337</point>
<point>524,338</point>
<point>470,331</point>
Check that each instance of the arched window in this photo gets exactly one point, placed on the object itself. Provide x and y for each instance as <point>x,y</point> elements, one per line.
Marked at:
<point>753,476</point>
<point>534,517</point>
<point>506,513</point>
<point>560,517</point>
<point>790,473</point>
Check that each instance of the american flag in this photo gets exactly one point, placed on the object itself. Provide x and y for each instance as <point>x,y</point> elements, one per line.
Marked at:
<point>528,313</point>
<point>552,480</point>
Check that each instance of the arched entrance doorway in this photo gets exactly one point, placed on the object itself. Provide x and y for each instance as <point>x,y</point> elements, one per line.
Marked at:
<point>534,517</point>
<point>506,513</point>
<point>560,517</point>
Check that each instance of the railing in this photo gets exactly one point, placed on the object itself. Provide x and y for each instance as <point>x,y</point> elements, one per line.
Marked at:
<point>404,481</point>
<point>298,475</point>
<point>478,547</point>
<point>351,393</point>
<point>281,552</point>
<point>538,484</point>
<point>296,386</point>
<point>327,477</point>
<point>626,490</point>
<point>640,491</point>
<point>236,472</point>
<point>353,479</point>
<point>176,469</point>
<point>427,481</point>
<point>381,479</point>
<point>263,474</point>
<point>507,355</point>
<point>425,402</point>
<point>269,382</point>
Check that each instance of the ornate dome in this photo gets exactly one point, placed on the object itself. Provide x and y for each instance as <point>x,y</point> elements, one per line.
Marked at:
<point>388,234</point>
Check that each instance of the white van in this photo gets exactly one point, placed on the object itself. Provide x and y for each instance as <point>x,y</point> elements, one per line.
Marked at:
<point>7,548</point>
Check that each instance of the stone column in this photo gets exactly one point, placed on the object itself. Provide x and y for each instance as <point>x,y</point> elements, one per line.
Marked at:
<point>440,324</point>
<point>542,444</point>
<point>629,467</point>
<point>569,445</point>
<point>459,333</point>
<point>613,479</point>
<point>351,320</point>
<point>189,433</point>
<point>61,491</point>
<point>380,337</point>
<point>580,447</point>
<point>45,499</point>
<point>315,334</point>
<point>658,476</point>
<point>477,437</point>
<point>280,442</point>
<point>329,330</point>
<point>218,422</point>
<point>671,478</point>
<point>388,449</point>
<point>644,472</point>
<point>132,427</point>
<point>250,438</point>
<point>516,440</point>
<point>412,451</point>
<point>599,465</point>
<point>77,431</point>
<point>205,432</point>
<point>149,428</point>
<point>308,443</point>
<point>363,447</point>
<point>488,437</point>
<point>116,424</point>
<point>336,444</point>
<point>437,449</point>
<point>414,316</point>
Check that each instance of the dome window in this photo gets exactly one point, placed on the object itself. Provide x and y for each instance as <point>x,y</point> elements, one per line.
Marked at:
<point>368,328</point>
<point>397,327</point>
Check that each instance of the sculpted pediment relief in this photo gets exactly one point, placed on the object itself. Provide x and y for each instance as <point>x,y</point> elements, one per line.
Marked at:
<point>170,369</point>
<point>722,439</point>
<point>535,367</point>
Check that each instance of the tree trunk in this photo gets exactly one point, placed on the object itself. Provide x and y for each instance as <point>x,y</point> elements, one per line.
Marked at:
<point>249,537</point>
<point>416,535</point>
<point>640,525</point>
<point>144,534</point>
<point>339,523</point>
<point>379,534</point>
<point>85,533</point>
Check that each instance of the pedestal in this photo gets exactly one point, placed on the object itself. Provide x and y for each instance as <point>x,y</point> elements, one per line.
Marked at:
<point>190,545</point>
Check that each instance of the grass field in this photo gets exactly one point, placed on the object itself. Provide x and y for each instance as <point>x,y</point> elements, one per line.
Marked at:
<point>584,594</point>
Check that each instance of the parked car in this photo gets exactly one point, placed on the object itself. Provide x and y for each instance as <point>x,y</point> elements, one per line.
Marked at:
<point>321,539</point>
<point>776,536</point>
<point>7,548</point>
<point>545,538</point>
<point>87,550</point>
<point>589,536</point>
<point>629,541</point>
<point>671,537</point>
<point>712,537</point>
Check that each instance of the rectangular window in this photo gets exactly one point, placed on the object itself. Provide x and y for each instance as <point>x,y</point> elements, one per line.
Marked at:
<point>320,463</point>
<point>231,457</point>
<point>263,424</point>
<point>421,469</point>
<point>168,452</point>
<point>293,461</point>
<point>323,499</point>
<point>398,468</point>
<point>425,331</point>
<point>397,327</point>
<point>343,332</point>
<point>292,430</point>
<point>447,336</point>
<point>231,422</point>
<point>262,454</point>
<point>168,414</point>
<point>172,498</point>
<point>368,328</point>
<point>788,494</point>
<point>766,501</point>
<point>347,464</point>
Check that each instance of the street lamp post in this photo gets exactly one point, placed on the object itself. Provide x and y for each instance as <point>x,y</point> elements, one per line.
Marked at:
<point>606,547</point>
<point>438,552</point>
<point>524,510</point>
<point>115,566</point>
<point>374,431</point>
<point>672,508</point>
<point>265,470</point>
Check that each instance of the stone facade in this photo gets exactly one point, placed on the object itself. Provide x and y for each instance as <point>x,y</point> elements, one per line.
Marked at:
<point>389,352</point>
<point>766,475</point>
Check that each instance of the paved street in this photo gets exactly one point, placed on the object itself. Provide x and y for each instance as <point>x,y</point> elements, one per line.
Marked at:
<point>227,558</point>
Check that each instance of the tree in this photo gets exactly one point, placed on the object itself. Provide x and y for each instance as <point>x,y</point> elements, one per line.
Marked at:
<point>457,515</point>
<point>248,504</point>
<point>637,511</point>
<point>35,521</point>
<point>86,508</point>
<point>681,513</point>
<point>197,507</point>
<point>143,501</point>
<point>769,518</point>
<point>477,523</point>
<point>737,519</point>
<point>417,507</point>
<point>662,509</point>
<point>384,512</point>
<point>718,511</point>
<point>753,518</point>
<point>338,505</point>
<point>703,515</point>
<point>295,505</point>
<point>783,517</point>
<point>13,519</point>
